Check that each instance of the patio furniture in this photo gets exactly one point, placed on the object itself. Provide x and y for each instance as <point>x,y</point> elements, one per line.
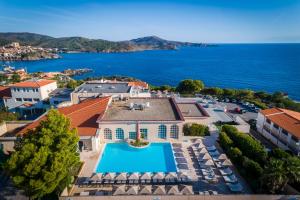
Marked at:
<point>99,193</point>
<point>203,150</point>
<point>222,157</point>
<point>235,187</point>
<point>186,189</point>
<point>121,178</point>
<point>199,145</point>
<point>86,181</point>
<point>96,178</point>
<point>207,163</point>
<point>181,160</point>
<point>145,177</point>
<point>179,155</point>
<point>85,193</point>
<point>204,156</point>
<point>225,171</point>
<point>182,177</point>
<point>158,177</point>
<point>134,177</point>
<point>109,177</point>
<point>182,166</point>
<point>211,148</point>
<point>227,162</point>
<point>133,190</point>
<point>206,172</point>
<point>159,190</point>
<point>171,177</point>
<point>145,190</point>
<point>172,190</point>
<point>177,150</point>
<point>214,153</point>
<point>230,178</point>
<point>119,190</point>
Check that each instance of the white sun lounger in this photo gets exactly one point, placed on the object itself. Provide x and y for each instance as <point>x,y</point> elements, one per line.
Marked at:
<point>237,187</point>
<point>230,178</point>
<point>226,171</point>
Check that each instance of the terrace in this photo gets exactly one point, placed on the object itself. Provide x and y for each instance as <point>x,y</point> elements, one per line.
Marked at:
<point>154,109</point>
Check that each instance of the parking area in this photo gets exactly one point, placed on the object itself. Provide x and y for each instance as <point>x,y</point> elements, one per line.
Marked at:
<point>233,107</point>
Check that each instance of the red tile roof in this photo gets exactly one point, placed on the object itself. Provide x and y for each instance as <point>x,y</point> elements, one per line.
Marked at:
<point>5,92</point>
<point>286,119</point>
<point>138,83</point>
<point>33,84</point>
<point>83,116</point>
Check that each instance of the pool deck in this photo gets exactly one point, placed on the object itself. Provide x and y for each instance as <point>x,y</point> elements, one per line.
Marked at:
<point>199,184</point>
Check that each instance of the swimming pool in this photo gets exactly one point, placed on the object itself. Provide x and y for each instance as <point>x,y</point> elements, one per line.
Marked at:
<point>120,157</point>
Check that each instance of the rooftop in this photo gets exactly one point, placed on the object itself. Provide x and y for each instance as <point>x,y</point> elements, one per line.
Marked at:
<point>97,87</point>
<point>61,93</point>
<point>286,119</point>
<point>192,110</point>
<point>5,92</point>
<point>159,109</point>
<point>33,83</point>
<point>83,116</point>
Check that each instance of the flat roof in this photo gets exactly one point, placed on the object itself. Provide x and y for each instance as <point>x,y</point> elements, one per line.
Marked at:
<point>191,110</point>
<point>61,93</point>
<point>96,87</point>
<point>160,109</point>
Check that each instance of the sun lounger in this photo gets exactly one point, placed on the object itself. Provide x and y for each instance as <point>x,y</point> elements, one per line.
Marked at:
<point>226,171</point>
<point>237,187</point>
<point>86,181</point>
<point>230,178</point>
<point>211,148</point>
<point>214,153</point>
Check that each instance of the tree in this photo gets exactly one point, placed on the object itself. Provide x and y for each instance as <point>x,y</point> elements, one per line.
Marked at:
<point>212,91</point>
<point>15,78</point>
<point>195,130</point>
<point>45,157</point>
<point>190,86</point>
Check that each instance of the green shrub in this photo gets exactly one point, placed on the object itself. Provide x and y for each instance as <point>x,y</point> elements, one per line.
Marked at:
<point>253,169</point>
<point>225,141</point>
<point>235,155</point>
<point>195,130</point>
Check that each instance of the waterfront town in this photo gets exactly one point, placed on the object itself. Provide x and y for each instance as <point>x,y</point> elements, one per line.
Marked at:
<point>15,51</point>
<point>135,139</point>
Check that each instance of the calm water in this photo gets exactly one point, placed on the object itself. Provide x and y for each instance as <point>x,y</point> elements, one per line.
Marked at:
<point>119,157</point>
<point>267,67</point>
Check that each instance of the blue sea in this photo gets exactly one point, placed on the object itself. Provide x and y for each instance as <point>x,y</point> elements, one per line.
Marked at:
<point>260,67</point>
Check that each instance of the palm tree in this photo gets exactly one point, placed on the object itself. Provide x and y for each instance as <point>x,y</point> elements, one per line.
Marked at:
<point>275,175</point>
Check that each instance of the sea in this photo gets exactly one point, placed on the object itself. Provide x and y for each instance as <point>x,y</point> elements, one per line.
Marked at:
<point>259,67</point>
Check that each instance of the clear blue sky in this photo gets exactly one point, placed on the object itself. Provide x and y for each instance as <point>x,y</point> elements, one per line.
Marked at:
<point>185,20</point>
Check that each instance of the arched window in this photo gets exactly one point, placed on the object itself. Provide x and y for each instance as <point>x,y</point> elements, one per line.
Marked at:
<point>162,131</point>
<point>174,130</point>
<point>119,134</point>
<point>107,134</point>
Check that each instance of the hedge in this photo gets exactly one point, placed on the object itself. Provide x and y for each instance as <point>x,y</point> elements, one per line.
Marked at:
<point>195,130</point>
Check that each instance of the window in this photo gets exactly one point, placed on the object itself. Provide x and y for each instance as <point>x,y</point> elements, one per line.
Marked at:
<point>27,99</point>
<point>27,90</point>
<point>119,134</point>
<point>18,99</point>
<point>162,131</point>
<point>132,135</point>
<point>24,90</point>
<point>144,133</point>
<point>107,134</point>
<point>275,126</point>
<point>268,121</point>
<point>174,131</point>
<point>18,89</point>
<point>15,89</point>
<point>295,138</point>
<point>284,132</point>
<point>36,99</point>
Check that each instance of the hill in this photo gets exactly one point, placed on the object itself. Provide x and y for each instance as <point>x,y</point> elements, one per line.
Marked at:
<point>91,45</point>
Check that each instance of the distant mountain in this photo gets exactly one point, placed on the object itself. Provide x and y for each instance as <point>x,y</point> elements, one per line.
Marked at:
<point>91,45</point>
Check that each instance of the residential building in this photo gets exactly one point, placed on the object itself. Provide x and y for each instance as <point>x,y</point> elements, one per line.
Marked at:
<point>105,120</point>
<point>281,127</point>
<point>92,89</point>
<point>28,95</point>
<point>60,96</point>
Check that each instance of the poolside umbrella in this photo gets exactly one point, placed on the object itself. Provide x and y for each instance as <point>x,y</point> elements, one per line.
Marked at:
<point>199,145</point>
<point>198,141</point>
<point>134,176</point>
<point>205,156</point>
<point>186,189</point>
<point>227,162</point>
<point>158,176</point>
<point>146,176</point>
<point>171,176</point>
<point>120,190</point>
<point>146,189</point>
<point>159,190</point>
<point>222,157</point>
<point>172,189</point>
<point>203,150</point>
<point>96,177</point>
<point>121,177</point>
<point>133,190</point>
<point>209,163</point>
<point>109,176</point>
<point>182,176</point>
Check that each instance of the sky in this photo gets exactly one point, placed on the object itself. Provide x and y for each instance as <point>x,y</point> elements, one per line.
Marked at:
<point>210,21</point>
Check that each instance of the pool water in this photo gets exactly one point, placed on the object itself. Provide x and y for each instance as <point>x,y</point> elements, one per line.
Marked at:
<point>120,157</point>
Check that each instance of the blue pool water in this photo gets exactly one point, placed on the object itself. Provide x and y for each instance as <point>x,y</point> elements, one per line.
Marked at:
<point>120,157</point>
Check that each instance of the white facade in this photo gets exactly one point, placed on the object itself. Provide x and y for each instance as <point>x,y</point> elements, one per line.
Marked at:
<point>30,95</point>
<point>276,134</point>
